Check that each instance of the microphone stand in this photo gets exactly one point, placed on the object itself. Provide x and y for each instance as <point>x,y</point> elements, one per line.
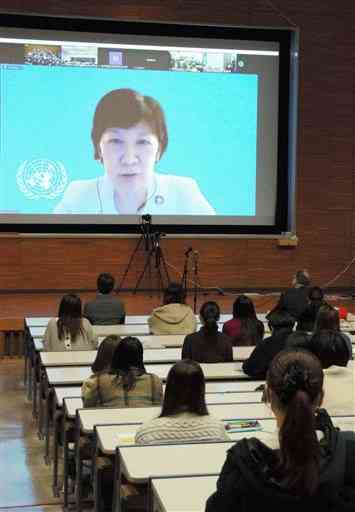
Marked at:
<point>186,271</point>
<point>195,260</point>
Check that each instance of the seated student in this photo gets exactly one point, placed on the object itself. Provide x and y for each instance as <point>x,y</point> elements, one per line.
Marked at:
<point>104,356</point>
<point>105,309</point>
<point>244,328</point>
<point>174,316</point>
<point>102,364</point>
<point>309,465</point>
<point>307,319</point>
<point>327,342</point>
<point>208,345</point>
<point>184,415</point>
<point>70,331</point>
<point>127,384</point>
<point>281,325</point>
<point>295,299</point>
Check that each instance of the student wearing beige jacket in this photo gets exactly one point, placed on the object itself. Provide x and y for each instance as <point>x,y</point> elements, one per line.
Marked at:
<point>174,316</point>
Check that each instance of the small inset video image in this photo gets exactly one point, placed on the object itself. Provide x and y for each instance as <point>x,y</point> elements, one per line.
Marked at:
<point>230,62</point>
<point>115,58</point>
<point>43,55</point>
<point>79,55</point>
<point>187,61</point>
<point>214,62</point>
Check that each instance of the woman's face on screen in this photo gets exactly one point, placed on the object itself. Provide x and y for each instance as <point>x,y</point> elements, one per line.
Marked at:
<point>129,154</point>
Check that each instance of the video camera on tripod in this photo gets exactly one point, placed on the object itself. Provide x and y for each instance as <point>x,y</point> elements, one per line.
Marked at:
<point>151,240</point>
<point>146,225</point>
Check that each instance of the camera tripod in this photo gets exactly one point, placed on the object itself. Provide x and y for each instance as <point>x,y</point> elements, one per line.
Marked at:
<point>150,240</point>
<point>155,256</point>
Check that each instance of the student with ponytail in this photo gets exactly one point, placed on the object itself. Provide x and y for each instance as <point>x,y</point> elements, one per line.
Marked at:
<point>309,465</point>
<point>208,345</point>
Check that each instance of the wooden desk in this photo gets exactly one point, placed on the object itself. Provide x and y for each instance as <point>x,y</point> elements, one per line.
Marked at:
<point>211,398</point>
<point>37,321</point>
<point>87,357</point>
<point>103,330</point>
<point>71,375</point>
<point>185,494</point>
<point>88,418</point>
<point>138,463</point>
<point>109,437</point>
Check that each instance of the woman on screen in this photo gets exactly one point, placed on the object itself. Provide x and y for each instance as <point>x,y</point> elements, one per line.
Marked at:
<point>130,136</point>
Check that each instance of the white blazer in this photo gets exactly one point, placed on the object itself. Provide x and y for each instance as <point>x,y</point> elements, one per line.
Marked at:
<point>169,195</point>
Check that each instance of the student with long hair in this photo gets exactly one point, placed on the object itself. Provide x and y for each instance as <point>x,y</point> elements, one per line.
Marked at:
<point>311,465</point>
<point>184,415</point>
<point>244,328</point>
<point>208,345</point>
<point>126,384</point>
<point>70,331</point>
<point>104,356</point>
<point>174,316</point>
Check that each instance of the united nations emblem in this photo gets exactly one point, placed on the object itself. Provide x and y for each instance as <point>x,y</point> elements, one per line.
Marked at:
<point>41,178</point>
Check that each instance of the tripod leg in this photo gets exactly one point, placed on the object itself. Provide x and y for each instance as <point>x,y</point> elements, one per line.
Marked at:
<point>165,267</point>
<point>160,280</point>
<point>141,239</point>
<point>146,266</point>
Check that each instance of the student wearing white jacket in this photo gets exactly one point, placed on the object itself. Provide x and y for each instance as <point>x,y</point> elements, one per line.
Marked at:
<point>129,135</point>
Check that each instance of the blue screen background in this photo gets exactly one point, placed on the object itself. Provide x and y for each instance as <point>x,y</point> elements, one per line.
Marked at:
<point>46,112</point>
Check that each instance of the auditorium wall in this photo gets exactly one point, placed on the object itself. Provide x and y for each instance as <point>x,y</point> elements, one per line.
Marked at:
<point>325,186</point>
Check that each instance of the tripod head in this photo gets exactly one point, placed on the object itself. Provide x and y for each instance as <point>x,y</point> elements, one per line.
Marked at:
<point>146,227</point>
<point>155,238</point>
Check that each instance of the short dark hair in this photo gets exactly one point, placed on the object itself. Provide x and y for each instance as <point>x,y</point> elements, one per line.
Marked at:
<point>124,108</point>
<point>105,283</point>
<point>330,347</point>
<point>315,294</point>
<point>281,319</point>
<point>127,360</point>
<point>327,318</point>
<point>243,307</point>
<point>185,389</point>
<point>302,278</point>
<point>174,294</point>
<point>105,353</point>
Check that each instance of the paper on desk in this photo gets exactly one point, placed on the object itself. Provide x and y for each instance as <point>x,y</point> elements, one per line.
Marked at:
<point>126,438</point>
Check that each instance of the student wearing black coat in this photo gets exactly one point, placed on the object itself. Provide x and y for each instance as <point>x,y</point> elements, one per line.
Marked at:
<point>295,299</point>
<point>259,360</point>
<point>308,466</point>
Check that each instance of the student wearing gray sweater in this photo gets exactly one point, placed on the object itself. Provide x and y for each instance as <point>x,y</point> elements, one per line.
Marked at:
<point>184,415</point>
